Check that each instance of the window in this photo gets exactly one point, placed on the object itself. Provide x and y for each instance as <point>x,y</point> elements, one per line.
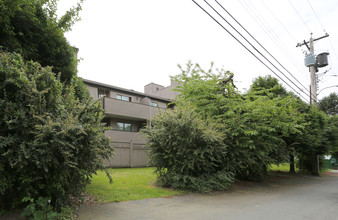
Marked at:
<point>123,98</point>
<point>154,104</point>
<point>103,92</point>
<point>123,126</point>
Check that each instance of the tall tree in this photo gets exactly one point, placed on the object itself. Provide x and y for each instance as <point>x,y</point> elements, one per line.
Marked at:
<point>253,124</point>
<point>268,85</point>
<point>329,104</point>
<point>32,28</point>
<point>51,138</point>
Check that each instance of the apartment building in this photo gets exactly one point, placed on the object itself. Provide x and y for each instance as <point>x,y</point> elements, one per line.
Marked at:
<point>126,112</point>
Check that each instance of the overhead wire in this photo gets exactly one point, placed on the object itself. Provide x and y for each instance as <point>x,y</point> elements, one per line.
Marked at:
<point>256,42</point>
<point>289,53</point>
<point>248,49</point>
<point>252,7</point>
<point>275,40</point>
<point>316,16</point>
<point>273,14</point>
<point>301,18</point>
<point>321,24</point>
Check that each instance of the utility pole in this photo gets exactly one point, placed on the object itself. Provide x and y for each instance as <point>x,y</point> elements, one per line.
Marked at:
<point>313,68</point>
<point>311,62</point>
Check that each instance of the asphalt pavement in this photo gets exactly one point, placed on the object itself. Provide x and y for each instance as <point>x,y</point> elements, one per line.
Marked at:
<point>279,198</point>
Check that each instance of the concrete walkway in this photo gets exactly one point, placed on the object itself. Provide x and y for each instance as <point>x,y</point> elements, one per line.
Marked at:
<point>283,197</point>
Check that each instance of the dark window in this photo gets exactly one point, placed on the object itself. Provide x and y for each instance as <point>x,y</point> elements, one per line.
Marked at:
<point>123,98</point>
<point>123,126</point>
<point>103,93</point>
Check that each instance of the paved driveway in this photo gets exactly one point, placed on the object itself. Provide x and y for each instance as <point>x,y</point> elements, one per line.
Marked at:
<point>279,198</point>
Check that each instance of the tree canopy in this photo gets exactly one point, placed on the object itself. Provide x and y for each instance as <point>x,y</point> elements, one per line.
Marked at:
<point>329,104</point>
<point>268,85</point>
<point>267,125</point>
<point>31,28</point>
<point>51,141</point>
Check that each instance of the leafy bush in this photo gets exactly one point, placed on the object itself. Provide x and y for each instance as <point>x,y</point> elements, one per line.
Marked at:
<point>188,152</point>
<point>42,209</point>
<point>39,209</point>
<point>51,136</point>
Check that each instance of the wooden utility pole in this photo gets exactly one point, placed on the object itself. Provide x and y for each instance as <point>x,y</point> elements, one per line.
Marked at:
<point>310,47</point>
<point>313,90</point>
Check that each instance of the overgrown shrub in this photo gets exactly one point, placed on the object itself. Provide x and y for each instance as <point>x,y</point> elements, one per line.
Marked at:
<point>51,136</point>
<point>188,152</point>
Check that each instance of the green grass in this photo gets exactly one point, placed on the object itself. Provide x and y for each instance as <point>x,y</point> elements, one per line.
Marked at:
<point>284,167</point>
<point>325,170</point>
<point>129,184</point>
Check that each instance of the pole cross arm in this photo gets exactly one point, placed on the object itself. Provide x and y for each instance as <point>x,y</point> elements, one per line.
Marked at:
<point>306,42</point>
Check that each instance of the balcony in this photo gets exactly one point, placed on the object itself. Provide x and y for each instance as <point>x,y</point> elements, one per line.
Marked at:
<point>129,110</point>
<point>125,136</point>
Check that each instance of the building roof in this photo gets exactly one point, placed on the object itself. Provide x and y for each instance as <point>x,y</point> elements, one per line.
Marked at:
<point>127,91</point>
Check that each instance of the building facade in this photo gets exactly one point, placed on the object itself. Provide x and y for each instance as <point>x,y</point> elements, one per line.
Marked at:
<point>126,112</point>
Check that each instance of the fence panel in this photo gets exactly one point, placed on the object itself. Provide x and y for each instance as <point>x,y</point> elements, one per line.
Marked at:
<point>128,154</point>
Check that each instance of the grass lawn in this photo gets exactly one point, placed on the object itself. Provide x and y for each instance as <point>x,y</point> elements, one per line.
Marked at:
<point>284,167</point>
<point>129,184</point>
<point>138,183</point>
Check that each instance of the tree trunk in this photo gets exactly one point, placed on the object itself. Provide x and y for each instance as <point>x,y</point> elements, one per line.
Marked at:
<point>292,164</point>
<point>315,165</point>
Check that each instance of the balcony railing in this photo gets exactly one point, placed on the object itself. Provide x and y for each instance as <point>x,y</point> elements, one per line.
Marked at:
<point>129,109</point>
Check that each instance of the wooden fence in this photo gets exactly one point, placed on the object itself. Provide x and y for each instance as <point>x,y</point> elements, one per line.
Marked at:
<point>128,154</point>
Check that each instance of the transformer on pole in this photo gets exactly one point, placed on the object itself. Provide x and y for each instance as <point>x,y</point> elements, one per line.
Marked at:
<point>314,62</point>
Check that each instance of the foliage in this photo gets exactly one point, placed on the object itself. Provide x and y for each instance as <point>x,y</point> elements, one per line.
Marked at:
<point>129,184</point>
<point>42,209</point>
<point>188,152</point>
<point>255,122</point>
<point>39,209</point>
<point>256,129</point>
<point>332,134</point>
<point>283,167</point>
<point>51,141</point>
<point>31,28</point>
<point>268,86</point>
<point>265,126</point>
<point>208,91</point>
<point>329,104</point>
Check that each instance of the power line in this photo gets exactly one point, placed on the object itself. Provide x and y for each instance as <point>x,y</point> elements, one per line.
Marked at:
<point>334,51</point>
<point>255,41</point>
<point>299,16</point>
<point>279,21</point>
<point>275,40</point>
<point>297,65</point>
<point>316,16</point>
<point>321,24</point>
<point>246,47</point>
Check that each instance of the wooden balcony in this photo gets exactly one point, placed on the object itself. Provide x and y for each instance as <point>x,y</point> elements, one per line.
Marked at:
<point>129,110</point>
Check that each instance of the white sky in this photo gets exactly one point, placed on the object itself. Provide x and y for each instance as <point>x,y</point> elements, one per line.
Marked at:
<point>131,43</point>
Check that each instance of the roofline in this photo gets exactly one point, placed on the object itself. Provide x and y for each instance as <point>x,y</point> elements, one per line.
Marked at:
<point>154,84</point>
<point>129,91</point>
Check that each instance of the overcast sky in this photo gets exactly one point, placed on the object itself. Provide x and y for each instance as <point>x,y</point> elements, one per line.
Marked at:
<point>131,43</point>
